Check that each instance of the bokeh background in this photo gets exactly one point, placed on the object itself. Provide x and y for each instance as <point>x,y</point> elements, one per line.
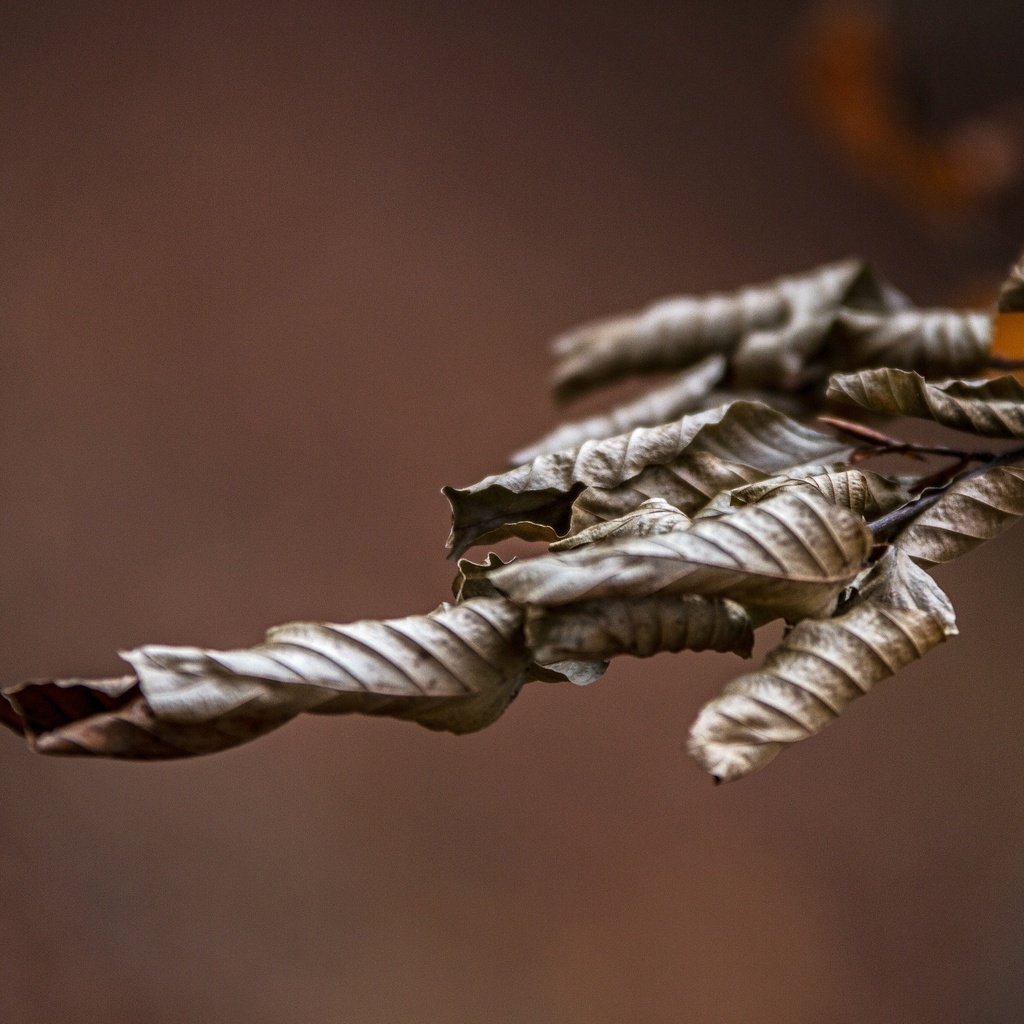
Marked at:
<point>272,274</point>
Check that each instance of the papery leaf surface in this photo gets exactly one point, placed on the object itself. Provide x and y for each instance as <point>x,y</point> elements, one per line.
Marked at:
<point>534,501</point>
<point>604,628</point>
<point>992,408</point>
<point>976,508</point>
<point>788,556</point>
<point>820,667</point>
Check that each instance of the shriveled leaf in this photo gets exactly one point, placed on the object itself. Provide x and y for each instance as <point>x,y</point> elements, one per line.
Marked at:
<point>535,501</point>
<point>1011,295</point>
<point>992,408</point>
<point>678,332</point>
<point>602,629</point>
<point>688,483</point>
<point>652,517</point>
<point>473,578</point>
<point>935,342</point>
<point>868,494</point>
<point>820,667</point>
<point>455,669</point>
<point>788,556</point>
<point>783,358</point>
<point>111,718</point>
<point>975,509</point>
<point>684,394</point>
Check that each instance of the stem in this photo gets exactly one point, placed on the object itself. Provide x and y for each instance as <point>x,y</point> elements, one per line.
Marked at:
<point>1004,363</point>
<point>894,446</point>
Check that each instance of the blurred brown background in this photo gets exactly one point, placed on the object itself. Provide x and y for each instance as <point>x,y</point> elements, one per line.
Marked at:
<point>271,275</point>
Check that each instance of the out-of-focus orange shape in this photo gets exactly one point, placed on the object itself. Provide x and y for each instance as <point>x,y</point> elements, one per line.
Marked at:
<point>1008,336</point>
<point>849,65</point>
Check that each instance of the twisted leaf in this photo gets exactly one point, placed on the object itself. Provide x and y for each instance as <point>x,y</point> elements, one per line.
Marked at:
<point>652,517</point>
<point>455,669</point>
<point>788,556</point>
<point>973,510</point>
<point>684,394</point>
<point>935,342</point>
<point>868,494</point>
<point>535,501</point>
<point>688,483</point>
<point>992,408</point>
<point>678,332</point>
<point>807,681</point>
<point>638,626</point>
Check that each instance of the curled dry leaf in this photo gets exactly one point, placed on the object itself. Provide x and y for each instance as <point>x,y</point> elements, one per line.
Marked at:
<point>652,517</point>
<point>992,408</point>
<point>677,332</point>
<point>535,501</point>
<point>978,507</point>
<point>935,342</point>
<point>642,627</point>
<point>684,394</point>
<point>868,494</point>
<point>788,556</point>
<point>455,669</point>
<point>820,667</point>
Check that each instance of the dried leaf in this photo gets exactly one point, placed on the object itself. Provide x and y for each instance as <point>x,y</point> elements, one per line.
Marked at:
<point>935,342</point>
<point>868,494</point>
<point>788,556</point>
<point>992,408</point>
<point>1011,295</point>
<point>535,501</point>
<point>821,667</point>
<point>975,509</point>
<point>684,394</point>
<point>677,332</point>
<point>473,578</point>
<point>654,516</point>
<point>455,669</point>
<point>688,483</point>
<point>783,358</point>
<point>641,627</point>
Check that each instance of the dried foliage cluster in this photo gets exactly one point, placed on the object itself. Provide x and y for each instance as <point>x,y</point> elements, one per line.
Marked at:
<point>683,520</point>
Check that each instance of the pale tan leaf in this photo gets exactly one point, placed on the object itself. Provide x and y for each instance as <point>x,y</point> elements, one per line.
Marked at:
<point>641,627</point>
<point>819,668</point>
<point>935,342</point>
<point>784,357</point>
<point>788,556</point>
<point>677,332</point>
<point>652,517</point>
<point>473,578</point>
<point>682,395</point>
<point>534,501</point>
<point>1011,295</point>
<point>868,494</point>
<point>992,408</point>
<point>688,483</point>
<point>975,509</point>
<point>455,669</point>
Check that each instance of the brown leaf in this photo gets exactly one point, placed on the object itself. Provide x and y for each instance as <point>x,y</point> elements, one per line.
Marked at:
<point>975,509</point>
<point>535,501</point>
<point>788,556</point>
<point>682,395</point>
<point>934,342</point>
<point>652,517</point>
<point>819,668</point>
<point>678,332</point>
<point>1011,295</point>
<point>641,627</point>
<point>992,408</point>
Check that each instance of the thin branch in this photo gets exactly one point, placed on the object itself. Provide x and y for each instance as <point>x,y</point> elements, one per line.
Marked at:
<point>887,445</point>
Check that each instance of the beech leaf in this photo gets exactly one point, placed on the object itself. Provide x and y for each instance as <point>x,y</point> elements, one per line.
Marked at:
<point>534,501</point>
<point>820,667</point>
<point>788,556</point>
<point>684,394</point>
<point>935,342</point>
<point>678,332</point>
<point>973,510</point>
<point>1011,295</point>
<point>641,627</point>
<point>652,517</point>
<point>992,408</point>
